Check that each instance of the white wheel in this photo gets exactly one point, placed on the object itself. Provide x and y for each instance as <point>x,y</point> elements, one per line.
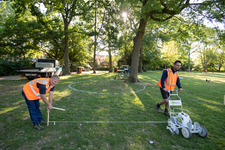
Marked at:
<point>186,132</point>
<point>177,131</point>
<point>203,132</point>
<point>172,132</point>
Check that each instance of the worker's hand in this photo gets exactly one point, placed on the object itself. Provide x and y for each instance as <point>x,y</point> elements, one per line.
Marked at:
<point>50,107</point>
<point>165,89</point>
<point>180,89</point>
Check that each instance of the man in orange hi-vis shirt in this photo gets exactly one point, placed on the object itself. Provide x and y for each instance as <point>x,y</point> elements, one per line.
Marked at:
<point>35,90</point>
<point>168,81</point>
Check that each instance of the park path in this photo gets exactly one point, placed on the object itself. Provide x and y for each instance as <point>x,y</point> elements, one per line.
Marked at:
<point>18,76</point>
<point>9,77</point>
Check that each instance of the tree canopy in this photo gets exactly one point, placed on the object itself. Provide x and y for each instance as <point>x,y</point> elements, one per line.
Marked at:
<point>151,34</point>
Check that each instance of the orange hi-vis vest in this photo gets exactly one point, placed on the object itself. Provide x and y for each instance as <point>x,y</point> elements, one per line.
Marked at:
<point>171,80</point>
<point>32,91</point>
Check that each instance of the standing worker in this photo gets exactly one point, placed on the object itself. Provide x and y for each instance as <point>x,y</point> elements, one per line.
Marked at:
<point>168,81</point>
<point>35,90</point>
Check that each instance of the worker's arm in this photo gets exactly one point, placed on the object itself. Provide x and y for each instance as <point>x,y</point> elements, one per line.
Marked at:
<point>42,90</point>
<point>50,97</point>
<point>44,99</point>
<point>178,84</point>
<point>163,78</point>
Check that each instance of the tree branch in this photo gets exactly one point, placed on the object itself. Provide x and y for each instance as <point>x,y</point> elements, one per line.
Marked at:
<point>165,10</point>
<point>43,23</point>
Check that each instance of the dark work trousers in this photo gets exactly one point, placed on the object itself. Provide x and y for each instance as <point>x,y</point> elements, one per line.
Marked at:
<point>33,107</point>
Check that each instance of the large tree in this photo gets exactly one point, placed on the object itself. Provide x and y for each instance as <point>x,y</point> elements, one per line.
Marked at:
<point>163,10</point>
<point>64,10</point>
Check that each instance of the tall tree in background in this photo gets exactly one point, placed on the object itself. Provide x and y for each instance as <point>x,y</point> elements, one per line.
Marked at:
<point>109,32</point>
<point>150,47</point>
<point>221,57</point>
<point>18,38</point>
<point>164,10</point>
<point>67,11</point>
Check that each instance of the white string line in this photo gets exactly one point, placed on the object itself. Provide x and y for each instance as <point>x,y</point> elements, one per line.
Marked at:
<point>103,93</point>
<point>110,122</point>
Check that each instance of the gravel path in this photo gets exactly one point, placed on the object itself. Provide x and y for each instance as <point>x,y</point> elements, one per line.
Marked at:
<point>9,77</point>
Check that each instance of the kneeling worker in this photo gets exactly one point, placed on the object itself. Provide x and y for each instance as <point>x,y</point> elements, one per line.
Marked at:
<point>168,81</point>
<point>35,90</point>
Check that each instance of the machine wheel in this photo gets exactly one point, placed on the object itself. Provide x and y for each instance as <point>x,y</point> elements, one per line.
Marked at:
<point>172,132</point>
<point>203,133</point>
<point>186,132</point>
<point>30,78</point>
<point>177,131</point>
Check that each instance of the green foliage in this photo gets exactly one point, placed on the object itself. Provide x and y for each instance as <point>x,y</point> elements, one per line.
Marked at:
<point>19,37</point>
<point>9,66</point>
<point>211,67</point>
<point>78,48</point>
<point>150,51</point>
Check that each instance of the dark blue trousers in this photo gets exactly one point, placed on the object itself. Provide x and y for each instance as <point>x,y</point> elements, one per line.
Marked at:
<point>34,111</point>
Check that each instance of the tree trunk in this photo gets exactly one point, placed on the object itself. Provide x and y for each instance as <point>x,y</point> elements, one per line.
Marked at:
<point>206,66</point>
<point>189,58</point>
<point>140,64</point>
<point>125,53</point>
<point>66,69</point>
<point>95,42</point>
<point>110,60</point>
<point>136,51</point>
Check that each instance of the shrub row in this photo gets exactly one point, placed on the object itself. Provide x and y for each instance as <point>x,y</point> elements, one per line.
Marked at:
<point>9,67</point>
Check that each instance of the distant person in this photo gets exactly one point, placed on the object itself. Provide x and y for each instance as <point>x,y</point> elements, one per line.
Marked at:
<point>168,81</point>
<point>35,90</point>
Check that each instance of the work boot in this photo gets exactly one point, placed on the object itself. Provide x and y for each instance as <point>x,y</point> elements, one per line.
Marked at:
<point>38,127</point>
<point>166,113</point>
<point>44,121</point>
<point>158,108</point>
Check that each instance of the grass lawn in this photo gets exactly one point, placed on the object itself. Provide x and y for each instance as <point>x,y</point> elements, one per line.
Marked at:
<point>116,102</point>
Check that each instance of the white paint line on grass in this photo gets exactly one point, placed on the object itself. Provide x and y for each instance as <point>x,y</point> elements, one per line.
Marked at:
<point>144,87</point>
<point>110,122</point>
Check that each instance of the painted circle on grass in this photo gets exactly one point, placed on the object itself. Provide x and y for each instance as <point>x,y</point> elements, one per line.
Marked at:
<point>70,86</point>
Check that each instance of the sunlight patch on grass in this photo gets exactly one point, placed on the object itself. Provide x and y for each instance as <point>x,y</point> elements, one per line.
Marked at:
<point>104,90</point>
<point>17,103</point>
<point>58,94</point>
<point>217,78</point>
<point>5,110</point>
<point>210,101</point>
<point>212,108</point>
<point>138,103</point>
<point>65,77</point>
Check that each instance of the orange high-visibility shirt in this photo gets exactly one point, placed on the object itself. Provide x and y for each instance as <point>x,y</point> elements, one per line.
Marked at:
<point>171,80</point>
<point>32,91</point>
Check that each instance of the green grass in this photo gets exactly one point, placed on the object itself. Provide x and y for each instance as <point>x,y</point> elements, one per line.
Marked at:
<point>204,100</point>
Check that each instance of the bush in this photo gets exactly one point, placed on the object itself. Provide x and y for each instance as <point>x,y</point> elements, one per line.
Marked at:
<point>9,67</point>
